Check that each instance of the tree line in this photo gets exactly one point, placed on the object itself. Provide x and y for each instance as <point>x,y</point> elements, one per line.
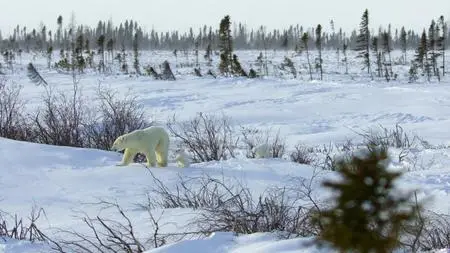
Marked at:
<point>122,36</point>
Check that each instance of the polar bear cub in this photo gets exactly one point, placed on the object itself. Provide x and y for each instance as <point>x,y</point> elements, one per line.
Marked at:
<point>153,142</point>
<point>182,158</point>
<point>262,151</point>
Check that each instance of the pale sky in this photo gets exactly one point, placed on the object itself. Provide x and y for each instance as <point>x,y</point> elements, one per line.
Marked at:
<point>181,14</point>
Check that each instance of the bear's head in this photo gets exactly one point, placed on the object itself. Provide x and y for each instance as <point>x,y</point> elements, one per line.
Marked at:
<point>119,144</point>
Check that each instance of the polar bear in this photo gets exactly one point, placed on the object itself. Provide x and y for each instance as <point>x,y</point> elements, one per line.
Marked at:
<point>262,151</point>
<point>153,142</point>
<point>182,158</point>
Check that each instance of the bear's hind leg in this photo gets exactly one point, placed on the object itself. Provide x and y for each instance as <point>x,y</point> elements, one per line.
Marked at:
<point>151,158</point>
<point>128,156</point>
<point>162,153</point>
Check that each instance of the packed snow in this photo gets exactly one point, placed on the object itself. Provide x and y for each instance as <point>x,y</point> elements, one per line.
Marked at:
<point>67,182</point>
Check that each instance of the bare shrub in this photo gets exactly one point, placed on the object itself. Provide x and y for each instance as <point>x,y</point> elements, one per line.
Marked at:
<point>436,232</point>
<point>327,156</point>
<point>273,211</point>
<point>277,145</point>
<point>116,234</point>
<point>303,155</point>
<point>12,226</point>
<point>13,124</point>
<point>207,137</point>
<point>430,231</point>
<point>395,138</point>
<point>65,119</point>
<point>230,206</point>
<point>114,117</point>
<point>191,192</point>
<point>61,119</point>
<point>107,235</point>
<point>253,137</point>
<point>324,156</point>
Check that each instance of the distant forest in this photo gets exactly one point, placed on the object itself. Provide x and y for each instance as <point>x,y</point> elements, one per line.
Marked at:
<point>121,36</point>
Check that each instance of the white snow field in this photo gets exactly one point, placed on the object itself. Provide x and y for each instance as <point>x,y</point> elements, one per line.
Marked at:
<point>66,182</point>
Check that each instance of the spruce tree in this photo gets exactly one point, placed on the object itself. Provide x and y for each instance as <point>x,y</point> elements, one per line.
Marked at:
<point>110,48</point>
<point>136,64</point>
<point>208,55</point>
<point>344,51</point>
<point>305,40</point>
<point>101,52</point>
<point>443,41</point>
<point>432,39</point>
<point>225,46</point>
<point>59,21</point>
<point>368,213</point>
<point>377,53</point>
<point>123,56</point>
<point>388,72</point>
<point>285,41</point>
<point>363,41</point>
<point>49,56</point>
<point>403,43</point>
<point>421,57</point>
<point>79,45</point>
<point>319,49</point>
<point>196,44</point>
<point>252,74</point>
<point>237,68</point>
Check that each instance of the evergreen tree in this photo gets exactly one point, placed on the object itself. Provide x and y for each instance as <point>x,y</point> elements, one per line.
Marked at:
<point>110,48</point>
<point>285,41</point>
<point>49,56</point>
<point>43,39</point>
<point>196,44</point>
<point>252,73</point>
<point>225,45</point>
<point>432,39</point>
<point>319,49</point>
<point>237,68</point>
<point>305,40</point>
<point>289,64</point>
<point>422,51</point>
<point>344,51</point>
<point>101,52</point>
<point>403,43</point>
<point>123,57</point>
<point>388,72</point>
<point>136,64</point>
<point>421,57</point>
<point>167,73</point>
<point>368,214</point>
<point>363,41</point>
<point>208,55</point>
<point>80,61</point>
<point>443,41</point>
<point>377,53</point>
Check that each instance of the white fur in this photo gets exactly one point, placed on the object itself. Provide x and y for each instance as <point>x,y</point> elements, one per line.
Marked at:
<point>183,159</point>
<point>262,151</point>
<point>153,142</point>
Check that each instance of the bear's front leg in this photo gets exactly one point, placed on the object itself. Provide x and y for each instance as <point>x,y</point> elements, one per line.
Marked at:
<point>128,156</point>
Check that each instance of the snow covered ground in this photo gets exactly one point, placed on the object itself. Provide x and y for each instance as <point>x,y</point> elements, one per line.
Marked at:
<point>67,181</point>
